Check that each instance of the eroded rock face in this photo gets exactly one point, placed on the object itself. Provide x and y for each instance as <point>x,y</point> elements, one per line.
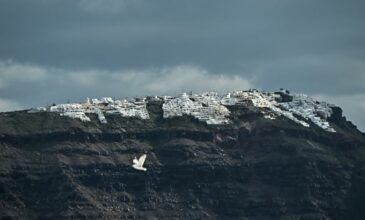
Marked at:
<point>53,167</point>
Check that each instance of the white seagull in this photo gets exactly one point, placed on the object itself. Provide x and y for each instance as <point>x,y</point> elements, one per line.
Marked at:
<point>138,164</point>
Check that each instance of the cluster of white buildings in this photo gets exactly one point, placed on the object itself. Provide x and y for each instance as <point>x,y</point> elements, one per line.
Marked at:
<point>100,107</point>
<point>125,108</point>
<point>266,102</point>
<point>208,107</point>
<point>271,106</point>
<point>205,107</point>
<point>74,110</point>
<point>309,109</point>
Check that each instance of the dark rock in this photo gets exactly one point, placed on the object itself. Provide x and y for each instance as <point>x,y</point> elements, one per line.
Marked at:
<point>54,167</point>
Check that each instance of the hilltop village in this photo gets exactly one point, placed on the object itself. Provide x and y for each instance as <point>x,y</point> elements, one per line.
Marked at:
<point>208,107</point>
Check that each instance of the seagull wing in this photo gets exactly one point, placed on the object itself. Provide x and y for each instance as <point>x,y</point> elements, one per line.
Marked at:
<point>135,161</point>
<point>141,160</point>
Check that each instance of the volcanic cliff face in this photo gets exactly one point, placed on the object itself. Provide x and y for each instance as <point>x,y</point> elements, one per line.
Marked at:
<point>54,167</point>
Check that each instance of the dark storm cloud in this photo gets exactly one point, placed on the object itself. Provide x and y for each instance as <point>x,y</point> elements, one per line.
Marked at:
<point>316,47</point>
<point>232,35</point>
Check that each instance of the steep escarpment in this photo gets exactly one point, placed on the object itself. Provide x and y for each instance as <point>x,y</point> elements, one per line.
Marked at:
<point>54,167</point>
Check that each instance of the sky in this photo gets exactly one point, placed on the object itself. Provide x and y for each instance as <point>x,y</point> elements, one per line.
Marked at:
<point>56,51</point>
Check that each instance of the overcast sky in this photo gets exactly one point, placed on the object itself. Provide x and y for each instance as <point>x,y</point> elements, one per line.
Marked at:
<point>59,50</point>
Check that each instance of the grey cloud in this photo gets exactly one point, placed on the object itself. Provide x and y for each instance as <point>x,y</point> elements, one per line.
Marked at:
<point>201,32</point>
<point>314,74</point>
<point>60,85</point>
<point>107,6</point>
<point>9,105</point>
<point>10,71</point>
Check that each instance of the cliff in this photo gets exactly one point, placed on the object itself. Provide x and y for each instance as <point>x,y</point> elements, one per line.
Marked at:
<point>54,167</point>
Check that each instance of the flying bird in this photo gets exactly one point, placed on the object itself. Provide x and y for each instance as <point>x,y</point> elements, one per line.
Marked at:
<point>138,164</point>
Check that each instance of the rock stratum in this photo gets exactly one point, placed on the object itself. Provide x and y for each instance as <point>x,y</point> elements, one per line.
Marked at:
<point>257,166</point>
